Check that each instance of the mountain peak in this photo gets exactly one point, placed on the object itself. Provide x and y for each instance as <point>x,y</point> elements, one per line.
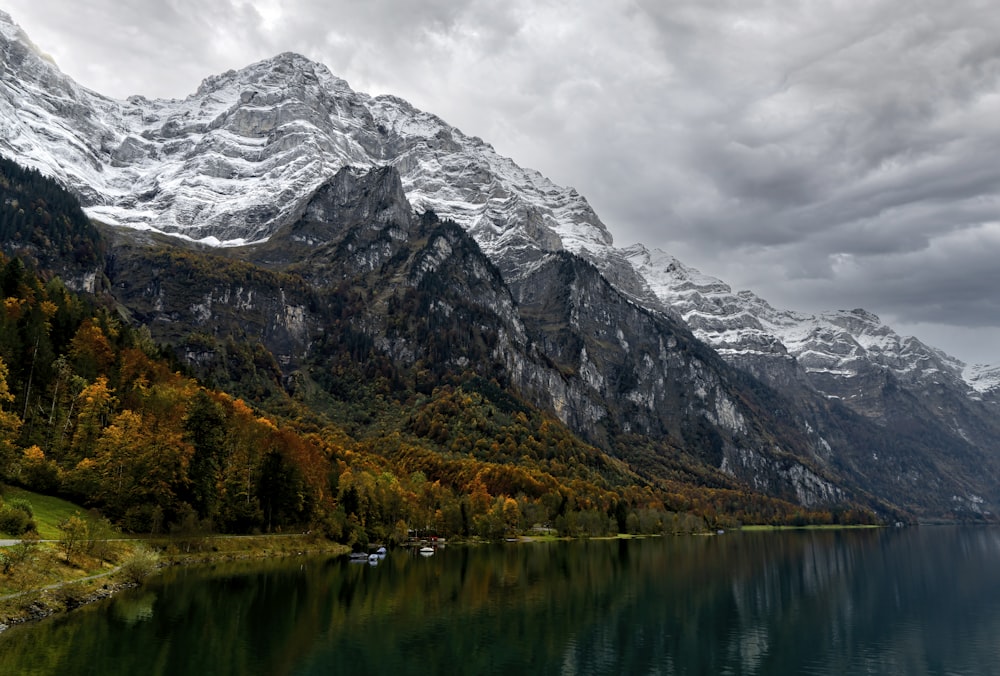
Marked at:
<point>6,23</point>
<point>287,70</point>
<point>286,154</point>
<point>12,34</point>
<point>9,29</point>
<point>233,162</point>
<point>229,163</point>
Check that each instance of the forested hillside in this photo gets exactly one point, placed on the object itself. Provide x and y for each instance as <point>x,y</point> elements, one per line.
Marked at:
<point>93,409</point>
<point>43,220</point>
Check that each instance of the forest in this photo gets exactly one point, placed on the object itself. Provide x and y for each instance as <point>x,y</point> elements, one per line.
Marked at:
<point>92,409</point>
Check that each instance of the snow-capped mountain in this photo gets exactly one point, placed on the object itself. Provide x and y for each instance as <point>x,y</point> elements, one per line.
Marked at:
<point>830,346</point>
<point>983,378</point>
<point>232,162</point>
<point>264,154</point>
<point>213,166</point>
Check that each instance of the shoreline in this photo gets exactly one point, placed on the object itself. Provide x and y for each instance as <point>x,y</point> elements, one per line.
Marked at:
<point>61,598</point>
<point>64,597</point>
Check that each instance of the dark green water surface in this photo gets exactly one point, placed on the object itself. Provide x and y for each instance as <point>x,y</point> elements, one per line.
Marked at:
<point>909,601</point>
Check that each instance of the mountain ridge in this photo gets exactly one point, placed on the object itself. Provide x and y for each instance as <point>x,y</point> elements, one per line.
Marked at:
<point>201,156</point>
<point>243,158</point>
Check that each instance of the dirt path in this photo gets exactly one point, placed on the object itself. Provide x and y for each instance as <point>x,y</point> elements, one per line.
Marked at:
<point>62,584</point>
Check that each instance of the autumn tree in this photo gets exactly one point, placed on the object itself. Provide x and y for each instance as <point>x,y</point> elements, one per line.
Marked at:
<point>74,530</point>
<point>239,508</point>
<point>95,405</point>
<point>91,351</point>
<point>10,425</point>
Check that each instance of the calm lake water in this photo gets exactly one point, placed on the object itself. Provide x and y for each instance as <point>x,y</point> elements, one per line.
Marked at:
<point>908,601</point>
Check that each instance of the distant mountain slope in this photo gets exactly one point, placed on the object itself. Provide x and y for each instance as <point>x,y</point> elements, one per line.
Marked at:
<point>832,345</point>
<point>848,356</point>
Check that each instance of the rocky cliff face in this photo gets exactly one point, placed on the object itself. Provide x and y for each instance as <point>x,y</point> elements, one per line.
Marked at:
<point>236,160</point>
<point>929,404</point>
<point>357,272</point>
<point>316,189</point>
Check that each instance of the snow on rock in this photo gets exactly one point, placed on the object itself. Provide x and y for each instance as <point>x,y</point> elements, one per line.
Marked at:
<point>232,162</point>
<point>983,377</point>
<point>842,343</point>
<point>229,163</point>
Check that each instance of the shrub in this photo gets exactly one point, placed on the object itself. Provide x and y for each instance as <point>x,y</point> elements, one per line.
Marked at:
<point>69,595</point>
<point>23,550</point>
<point>15,520</point>
<point>140,564</point>
<point>42,476</point>
<point>23,505</point>
<point>99,533</point>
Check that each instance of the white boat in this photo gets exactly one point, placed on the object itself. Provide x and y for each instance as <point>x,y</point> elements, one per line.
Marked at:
<point>426,551</point>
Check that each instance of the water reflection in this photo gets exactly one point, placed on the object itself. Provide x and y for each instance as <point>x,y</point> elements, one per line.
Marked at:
<point>882,602</point>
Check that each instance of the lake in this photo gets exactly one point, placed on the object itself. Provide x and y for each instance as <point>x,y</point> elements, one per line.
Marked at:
<point>890,601</point>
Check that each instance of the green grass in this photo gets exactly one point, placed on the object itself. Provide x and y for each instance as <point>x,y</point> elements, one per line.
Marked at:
<point>49,511</point>
<point>833,526</point>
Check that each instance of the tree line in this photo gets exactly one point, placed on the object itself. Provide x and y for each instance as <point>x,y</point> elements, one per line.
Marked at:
<point>92,409</point>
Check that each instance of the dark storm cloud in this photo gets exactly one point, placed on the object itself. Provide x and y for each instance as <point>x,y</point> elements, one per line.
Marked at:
<point>826,154</point>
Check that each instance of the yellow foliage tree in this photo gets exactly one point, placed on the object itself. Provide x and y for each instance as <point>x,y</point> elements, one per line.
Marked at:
<point>96,403</point>
<point>10,425</point>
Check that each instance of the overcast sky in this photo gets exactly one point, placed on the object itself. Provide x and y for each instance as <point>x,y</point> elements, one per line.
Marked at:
<point>825,154</point>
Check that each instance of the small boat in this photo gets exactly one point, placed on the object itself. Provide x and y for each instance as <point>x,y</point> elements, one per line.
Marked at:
<point>358,557</point>
<point>380,552</point>
<point>426,551</point>
<point>373,559</point>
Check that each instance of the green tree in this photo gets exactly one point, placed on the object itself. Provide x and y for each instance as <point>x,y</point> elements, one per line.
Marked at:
<point>74,530</point>
<point>204,429</point>
<point>281,491</point>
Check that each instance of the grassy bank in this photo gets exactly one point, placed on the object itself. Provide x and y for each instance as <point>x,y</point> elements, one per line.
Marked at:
<point>47,572</point>
<point>49,512</point>
<point>810,527</point>
<point>45,583</point>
